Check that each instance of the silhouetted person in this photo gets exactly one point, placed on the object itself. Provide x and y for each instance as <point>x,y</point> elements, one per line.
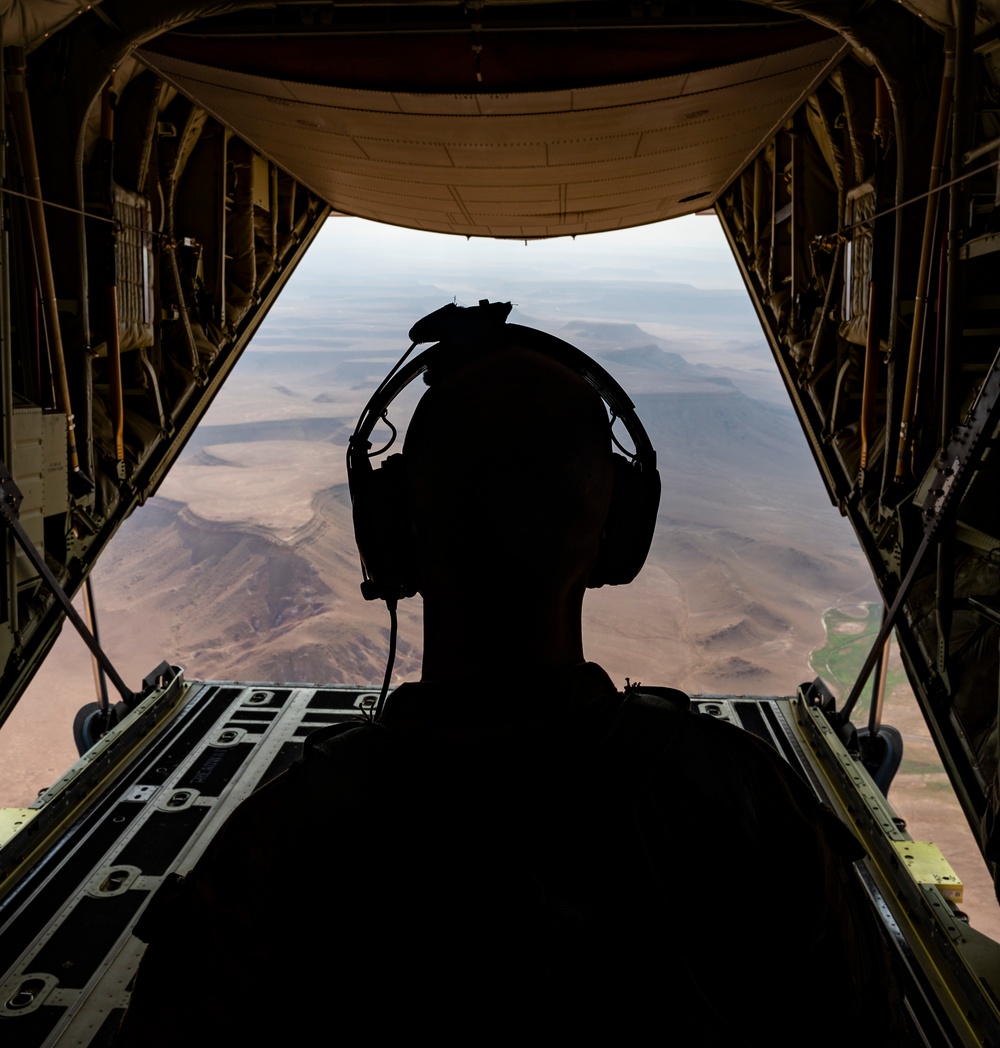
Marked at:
<point>516,850</point>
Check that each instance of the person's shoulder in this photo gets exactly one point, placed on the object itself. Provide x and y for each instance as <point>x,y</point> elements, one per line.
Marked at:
<point>666,717</point>
<point>273,811</point>
<point>741,757</point>
<point>722,767</point>
<point>346,740</point>
<point>719,743</point>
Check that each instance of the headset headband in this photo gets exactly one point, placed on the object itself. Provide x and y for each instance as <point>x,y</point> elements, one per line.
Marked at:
<point>468,330</point>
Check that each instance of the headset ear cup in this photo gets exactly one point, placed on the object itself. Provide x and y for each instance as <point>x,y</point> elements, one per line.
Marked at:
<point>628,531</point>
<point>382,530</point>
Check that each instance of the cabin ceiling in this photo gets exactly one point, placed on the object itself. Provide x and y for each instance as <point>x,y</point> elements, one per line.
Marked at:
<point>503,162</point>
<point>512,119</point>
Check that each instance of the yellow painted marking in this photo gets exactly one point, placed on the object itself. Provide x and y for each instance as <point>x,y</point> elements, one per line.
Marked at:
<point>12,820</point>
<point>928,866</point>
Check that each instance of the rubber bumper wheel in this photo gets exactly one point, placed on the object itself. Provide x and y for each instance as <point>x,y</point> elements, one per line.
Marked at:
<point>90,724</point>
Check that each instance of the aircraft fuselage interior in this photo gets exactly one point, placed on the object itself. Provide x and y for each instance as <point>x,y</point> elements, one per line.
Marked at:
<point>165,165</point>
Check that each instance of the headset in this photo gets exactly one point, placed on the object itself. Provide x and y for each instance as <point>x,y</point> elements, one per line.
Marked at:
<point>379,496</point>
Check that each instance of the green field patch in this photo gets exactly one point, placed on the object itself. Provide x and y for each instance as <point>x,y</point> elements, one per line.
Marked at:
<point>850,634</point>
<point>849,637</point>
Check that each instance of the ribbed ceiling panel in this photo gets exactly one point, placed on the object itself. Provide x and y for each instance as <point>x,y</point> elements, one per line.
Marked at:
<point>518,164</point>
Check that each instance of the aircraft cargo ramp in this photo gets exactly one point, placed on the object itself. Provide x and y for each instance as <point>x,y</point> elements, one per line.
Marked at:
<point>80,866</point>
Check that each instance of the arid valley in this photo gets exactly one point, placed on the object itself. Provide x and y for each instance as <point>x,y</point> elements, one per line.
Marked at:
<point>243,565</point>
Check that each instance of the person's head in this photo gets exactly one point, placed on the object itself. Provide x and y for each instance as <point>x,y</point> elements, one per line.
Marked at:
<point>507,501</point>
<point>509,475</point>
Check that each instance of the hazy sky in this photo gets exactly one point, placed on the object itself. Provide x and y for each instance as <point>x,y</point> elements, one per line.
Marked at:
<point>690,250</point>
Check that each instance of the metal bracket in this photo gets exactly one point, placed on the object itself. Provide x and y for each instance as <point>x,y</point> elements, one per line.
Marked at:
<point>11,495</point>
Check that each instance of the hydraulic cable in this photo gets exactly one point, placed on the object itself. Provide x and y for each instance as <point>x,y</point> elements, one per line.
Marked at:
<point>882,134</point>
<point>923,272</point>
<point>115,394</point>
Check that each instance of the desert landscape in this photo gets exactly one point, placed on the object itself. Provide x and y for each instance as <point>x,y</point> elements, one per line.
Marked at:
<point>243,566</point>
